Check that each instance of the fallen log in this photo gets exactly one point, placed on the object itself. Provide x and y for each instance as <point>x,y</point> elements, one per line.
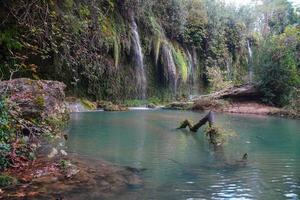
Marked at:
<point>245,91</point>
<point>210,118</point>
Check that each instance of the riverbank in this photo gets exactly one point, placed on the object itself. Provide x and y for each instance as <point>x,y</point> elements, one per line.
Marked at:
<point>34,160</point>
<point>242,100</point>
<point>66,177</point>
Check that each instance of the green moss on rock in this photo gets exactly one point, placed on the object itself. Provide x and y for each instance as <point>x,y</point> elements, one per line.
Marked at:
<point>6,180</point>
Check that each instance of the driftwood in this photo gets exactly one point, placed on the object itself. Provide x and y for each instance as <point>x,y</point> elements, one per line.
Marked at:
<point>234,92</point>
<point>210,118</point>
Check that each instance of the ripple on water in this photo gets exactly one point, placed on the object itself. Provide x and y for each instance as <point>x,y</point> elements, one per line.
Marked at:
<point>182,166</point>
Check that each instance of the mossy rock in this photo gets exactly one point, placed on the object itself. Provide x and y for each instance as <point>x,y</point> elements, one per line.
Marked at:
<point>179,106</point>
<point>40,101</point>
<point>151,105</point>
<point>109,106</point>
<point>209,104</point>
<point>88,104</point>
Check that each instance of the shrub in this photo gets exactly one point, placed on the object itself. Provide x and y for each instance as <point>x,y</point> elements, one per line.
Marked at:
<point>6,180</point>
<point>217,79</point>
<point>279,75</point>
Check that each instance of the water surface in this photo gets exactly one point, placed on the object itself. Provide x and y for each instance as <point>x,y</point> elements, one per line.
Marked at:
<point>181,165</point>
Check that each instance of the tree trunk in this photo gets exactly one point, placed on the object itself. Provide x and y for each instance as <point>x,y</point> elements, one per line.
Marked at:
<point>245,91</point>
<point>210,118</point>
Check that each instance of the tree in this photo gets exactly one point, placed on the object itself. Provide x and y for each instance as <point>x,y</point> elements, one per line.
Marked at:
<point>279,72</point>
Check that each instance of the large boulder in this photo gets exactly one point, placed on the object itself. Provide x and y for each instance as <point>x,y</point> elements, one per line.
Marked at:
<point>36,99</point>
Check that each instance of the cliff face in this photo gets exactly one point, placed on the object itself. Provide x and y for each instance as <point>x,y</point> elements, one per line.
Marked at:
<point>110,49</point>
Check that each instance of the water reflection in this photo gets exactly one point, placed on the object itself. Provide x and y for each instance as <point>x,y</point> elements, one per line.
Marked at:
<point>181,165</point>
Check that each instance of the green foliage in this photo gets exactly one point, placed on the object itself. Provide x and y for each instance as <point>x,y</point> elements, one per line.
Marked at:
<point>6,180</point>
<point>137,102</point>
<point>64,164</point>
<point>217,79</point>
<point>4,122</point>
<point>68,4</point>
<point>172,15</point>
<point>218,135</point>
<point>13,145</point>
<point>88,104</point>
<point>5,135</point>
<point>195,27</point>
<point>84,11</point>
<point>87,44</point>
<point>157,38</point>
<point>180,61</point>
<point>8,38</point>
<point>279,71</point>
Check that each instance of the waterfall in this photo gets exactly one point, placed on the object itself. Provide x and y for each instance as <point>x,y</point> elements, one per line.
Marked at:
<point>76,107</point>
<point>250,62</point>
<point>169,67</point>
<point>194,81</point>
<point>190,71</point>
<point>139,61</point>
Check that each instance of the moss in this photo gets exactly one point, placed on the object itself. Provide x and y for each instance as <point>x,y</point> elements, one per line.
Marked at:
<point>135,102</point>
<point>180,61</point>
<point>40,101</point>
<point>218,135</point>
<point>158,37</point>
<point>6,180</point>
<point>64,164</point>
<point>55,123</point>
<point>157,45</point>
<point>210,104</point>
<point>84,11</point>
<point>116,50</point>
<point>68,4</point>
<point>88,104</point>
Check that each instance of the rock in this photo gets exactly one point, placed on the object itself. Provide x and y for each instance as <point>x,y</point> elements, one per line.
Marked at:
<point>71,171</point>
<point>63,152</point>
<point>179,105</point>
<point>53,153</point>
<point>209,104</point>
<point>36,98</point>
<point>109,106</point>
<point>151,105</point>
<point>88,104</point>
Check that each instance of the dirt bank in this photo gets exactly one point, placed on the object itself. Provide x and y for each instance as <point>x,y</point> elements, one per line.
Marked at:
<point>250,107</point>
<point>71,178</point>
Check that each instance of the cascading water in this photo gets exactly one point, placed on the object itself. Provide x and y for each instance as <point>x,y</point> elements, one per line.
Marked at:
<point>139,61</point>
<point>169,66</point>
<point>190,71</point>
<point>193,63</point>
<point>250,62</point>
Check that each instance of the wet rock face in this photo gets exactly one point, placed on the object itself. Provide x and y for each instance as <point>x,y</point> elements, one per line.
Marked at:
<point>36,99</point>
